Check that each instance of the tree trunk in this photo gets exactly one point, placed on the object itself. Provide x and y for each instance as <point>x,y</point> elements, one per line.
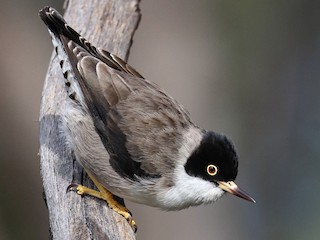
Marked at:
<point>109,24</point>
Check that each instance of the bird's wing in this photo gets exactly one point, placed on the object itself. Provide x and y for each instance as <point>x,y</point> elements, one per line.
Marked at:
<point>138,123</point>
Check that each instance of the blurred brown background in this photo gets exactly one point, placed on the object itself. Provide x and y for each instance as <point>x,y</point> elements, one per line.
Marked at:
<point>249,69</point>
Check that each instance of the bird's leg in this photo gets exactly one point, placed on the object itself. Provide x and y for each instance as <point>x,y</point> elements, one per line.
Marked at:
<point>104,194</point>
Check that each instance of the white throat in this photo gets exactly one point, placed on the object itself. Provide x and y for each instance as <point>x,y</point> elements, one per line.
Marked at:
<point>188,190</point>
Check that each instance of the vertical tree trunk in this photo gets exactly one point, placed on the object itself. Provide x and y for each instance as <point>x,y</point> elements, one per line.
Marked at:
<point>109,24</point>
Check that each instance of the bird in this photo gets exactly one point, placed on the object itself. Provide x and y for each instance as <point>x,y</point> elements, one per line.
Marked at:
<point>133,139</point>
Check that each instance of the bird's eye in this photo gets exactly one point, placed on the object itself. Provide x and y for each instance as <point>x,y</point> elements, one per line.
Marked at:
<point>212,170</point>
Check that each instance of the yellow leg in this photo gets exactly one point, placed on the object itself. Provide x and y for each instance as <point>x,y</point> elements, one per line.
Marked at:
<point>104,194</point>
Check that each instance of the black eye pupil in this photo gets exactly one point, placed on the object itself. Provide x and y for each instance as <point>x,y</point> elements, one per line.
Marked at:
<point>212,170</point>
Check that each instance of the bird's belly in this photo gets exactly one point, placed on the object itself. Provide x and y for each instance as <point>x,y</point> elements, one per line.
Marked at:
<point>94,158</point>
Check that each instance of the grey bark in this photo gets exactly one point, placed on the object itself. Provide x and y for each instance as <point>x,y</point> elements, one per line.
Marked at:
<point>109,24</point>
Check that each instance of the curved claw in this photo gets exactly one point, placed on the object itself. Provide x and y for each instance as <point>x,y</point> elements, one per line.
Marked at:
<point>108,197</point>
<point>133,225</point>
<point>72,187</point>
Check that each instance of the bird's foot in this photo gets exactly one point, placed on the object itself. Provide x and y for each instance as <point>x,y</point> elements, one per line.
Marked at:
<point>104,194</point>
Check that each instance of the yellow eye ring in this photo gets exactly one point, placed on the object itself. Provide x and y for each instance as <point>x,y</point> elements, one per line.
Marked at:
<point>212,170</point>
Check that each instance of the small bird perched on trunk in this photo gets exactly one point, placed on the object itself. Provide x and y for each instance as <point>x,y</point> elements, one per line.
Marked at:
<point>131,137</point>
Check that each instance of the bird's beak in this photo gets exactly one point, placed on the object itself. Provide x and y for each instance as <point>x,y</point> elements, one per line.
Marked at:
<point>232,188</point>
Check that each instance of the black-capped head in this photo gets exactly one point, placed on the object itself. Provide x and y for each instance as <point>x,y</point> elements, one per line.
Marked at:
<point>214,160</point>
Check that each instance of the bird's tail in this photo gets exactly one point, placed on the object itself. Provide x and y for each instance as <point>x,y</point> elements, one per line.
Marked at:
<point>59,29</point>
